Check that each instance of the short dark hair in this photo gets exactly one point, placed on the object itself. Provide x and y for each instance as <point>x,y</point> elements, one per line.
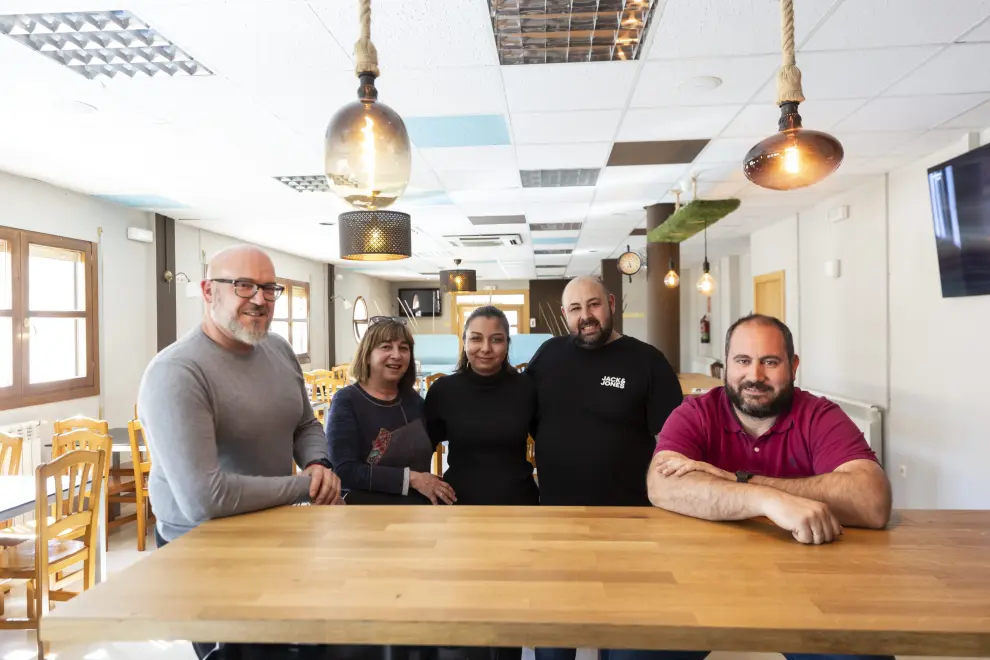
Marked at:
<point>764,320</point>
<point>488,312</point>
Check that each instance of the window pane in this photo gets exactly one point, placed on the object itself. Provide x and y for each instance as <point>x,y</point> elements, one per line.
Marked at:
<point>300,337</point>
<point>281,328</point>
<point>56,279</point>
<point>282,306</point>
<point>57,349</point>
<point>300,303</point>
<point>6,278</point>
<point>6,352</point>
<point>513,329</point>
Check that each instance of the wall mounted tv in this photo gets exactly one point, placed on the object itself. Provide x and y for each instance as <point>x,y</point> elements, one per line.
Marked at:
<point>421,302</point>
<point>960,195</point>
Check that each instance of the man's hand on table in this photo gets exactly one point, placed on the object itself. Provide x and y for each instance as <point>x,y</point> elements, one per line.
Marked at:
<point>807,520</point>
<point>324,485</point>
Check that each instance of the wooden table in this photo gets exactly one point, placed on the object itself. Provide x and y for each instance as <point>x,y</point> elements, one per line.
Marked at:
<point>690,382</point>
<point>17,497</point>
<point>545,576</point>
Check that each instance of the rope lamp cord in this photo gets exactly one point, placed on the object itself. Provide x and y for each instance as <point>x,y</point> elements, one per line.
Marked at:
<point>789,76</point>
<point>365,53</point>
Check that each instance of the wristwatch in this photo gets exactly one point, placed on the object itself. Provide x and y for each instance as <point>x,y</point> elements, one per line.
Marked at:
<point>743,477</point>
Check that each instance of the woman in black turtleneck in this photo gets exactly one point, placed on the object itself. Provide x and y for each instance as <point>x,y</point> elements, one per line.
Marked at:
<point>483,412</point>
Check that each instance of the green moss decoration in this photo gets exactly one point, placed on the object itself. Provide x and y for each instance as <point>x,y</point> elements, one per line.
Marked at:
<point>691,219</point>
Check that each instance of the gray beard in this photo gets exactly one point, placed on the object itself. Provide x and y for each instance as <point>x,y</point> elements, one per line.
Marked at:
<point>234,327</point>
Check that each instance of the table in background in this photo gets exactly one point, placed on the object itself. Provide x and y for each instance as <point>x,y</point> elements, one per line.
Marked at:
<point>690,382</point>
<point>17,497</point>
<point>551,576</point>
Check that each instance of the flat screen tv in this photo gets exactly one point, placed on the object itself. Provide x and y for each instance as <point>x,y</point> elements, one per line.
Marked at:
<point>419,302</point>
<point>960,194</point>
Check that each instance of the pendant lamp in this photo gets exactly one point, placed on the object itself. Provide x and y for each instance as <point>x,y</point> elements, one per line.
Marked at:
<point>375,236</point>
<point>795,157</point>
<point>671,280</point>
<point>706,283</point>
<point>458,279</point>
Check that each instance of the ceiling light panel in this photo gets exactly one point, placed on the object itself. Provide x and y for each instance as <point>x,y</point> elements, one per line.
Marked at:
<point>306,183</point>
<point>556,31</point>
<point>555,226</point>
<point>558,178</point>
<point>547,253</point>
<point>101,43</point>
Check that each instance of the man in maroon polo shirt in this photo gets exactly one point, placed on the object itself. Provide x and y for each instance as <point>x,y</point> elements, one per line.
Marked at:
<point>761,447</point>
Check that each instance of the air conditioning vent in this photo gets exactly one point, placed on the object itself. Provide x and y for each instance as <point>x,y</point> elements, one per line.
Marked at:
<point>484,240</point>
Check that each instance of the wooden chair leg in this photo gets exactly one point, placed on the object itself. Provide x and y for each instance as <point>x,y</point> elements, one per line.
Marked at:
<point>142,523</point>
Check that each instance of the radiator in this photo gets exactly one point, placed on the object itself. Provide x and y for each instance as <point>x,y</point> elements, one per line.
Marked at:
<point>33,453</point>
<point>868,417</point>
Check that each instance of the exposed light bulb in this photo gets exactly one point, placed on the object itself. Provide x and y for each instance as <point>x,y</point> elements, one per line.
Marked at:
<point>792,160</point>
<point>706,283</point>
<point>671,280</point>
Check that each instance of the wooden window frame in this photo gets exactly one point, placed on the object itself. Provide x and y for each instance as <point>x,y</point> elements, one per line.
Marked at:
<point>22,393</point>
<point>288,284</point>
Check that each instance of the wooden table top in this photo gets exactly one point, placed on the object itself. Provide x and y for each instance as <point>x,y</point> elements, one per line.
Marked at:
<point>546,576</point>
<point>691,381</point>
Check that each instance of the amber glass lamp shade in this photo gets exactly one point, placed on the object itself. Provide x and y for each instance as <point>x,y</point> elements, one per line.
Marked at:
<point>706,283</point>
<point>793,158</point>
<point>368,156</point>
<point>671,279</point>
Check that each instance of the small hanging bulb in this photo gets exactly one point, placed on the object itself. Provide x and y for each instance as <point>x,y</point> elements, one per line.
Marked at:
<point>706,283</point>
<point>671,279</point>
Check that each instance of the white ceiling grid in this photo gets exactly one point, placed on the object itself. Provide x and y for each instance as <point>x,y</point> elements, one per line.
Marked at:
<point>892,80</point>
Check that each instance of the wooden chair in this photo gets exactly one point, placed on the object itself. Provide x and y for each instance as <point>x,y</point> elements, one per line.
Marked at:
<point>521,367</point>
<point>531,451</point>
<point>119,486</point>
<point>10,466</point>
<point>717,370</point>
<point>141,461</point>
<point>62,540</point>
<point>432,378</point>
<point>438,460</point>
<point>81,422</point>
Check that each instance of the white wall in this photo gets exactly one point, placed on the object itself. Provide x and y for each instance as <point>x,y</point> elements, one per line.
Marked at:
<point>777,248</point>
<point>127,294</point>
<point>634,296</point>
<point>882,332</point>
<point>350,284</point>
<point>195,247</point>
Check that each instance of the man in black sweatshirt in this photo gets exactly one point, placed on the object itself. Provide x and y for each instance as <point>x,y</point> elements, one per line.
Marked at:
<point>602,398</point>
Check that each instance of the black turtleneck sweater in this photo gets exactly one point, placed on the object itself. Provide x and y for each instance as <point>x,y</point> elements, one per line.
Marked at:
<point>485,421</point>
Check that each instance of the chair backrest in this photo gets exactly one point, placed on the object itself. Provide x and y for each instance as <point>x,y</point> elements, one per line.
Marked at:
<point>140,458</point>
<point>340,373</point>
<point>521,367</point>
<point>78,486</point>
<point>717,370</point>
<point>324,388</point>
<point>10,454</point>
<point>63,443</point>
<point>432,378</point>
<point>81,422</point>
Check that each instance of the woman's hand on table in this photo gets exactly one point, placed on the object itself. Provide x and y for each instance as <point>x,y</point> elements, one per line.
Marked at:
<point>433,487</point>
<point>324,485</point>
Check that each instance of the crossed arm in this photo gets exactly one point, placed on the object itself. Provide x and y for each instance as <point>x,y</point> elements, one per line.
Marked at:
<point>857,493</point>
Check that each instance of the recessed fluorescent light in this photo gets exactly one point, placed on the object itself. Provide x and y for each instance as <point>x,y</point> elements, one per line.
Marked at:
<point>558,178</point>
<point>549,252</point>
<point>305,183</point>
<point>101,43</point>
<point>548,31</point>
<point>554,226</point>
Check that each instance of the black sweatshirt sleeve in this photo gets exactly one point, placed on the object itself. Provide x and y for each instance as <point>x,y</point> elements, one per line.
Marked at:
<point>436,425</point>
<point>664,394</point>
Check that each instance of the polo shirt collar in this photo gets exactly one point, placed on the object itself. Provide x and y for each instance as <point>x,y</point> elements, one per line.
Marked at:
<point>731,423</point>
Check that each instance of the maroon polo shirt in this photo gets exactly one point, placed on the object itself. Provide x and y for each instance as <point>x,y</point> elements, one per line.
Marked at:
<point>814,437</point>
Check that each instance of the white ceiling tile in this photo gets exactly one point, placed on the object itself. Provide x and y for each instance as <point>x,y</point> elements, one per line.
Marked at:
<point>826,75</point>
<point>563,156</point>
<point>953,71</point>
<point>929,142</point>
<point>445,91</point>
<point>909,113</point>
<point>982,33</point>
<point>977,118</point>
<point>556,211</point>
<point>479,197</point>
<point>635,195</point>
<point>730,172</point>
<point>873,143</point>
<point>556,87</point>
<point>721,190</point>
<point>492,208</point>
<point>741,78</point>
<point>704,28</point>
<point>553,195</point>
<point>885,23</point>
<point>572,127</point>
<point>452,33</point>
<point>728,150</point>
<point>627,174</point>
<point>471,158</point>
<point>674,123</point>
<point>479,179</point>
<point>761,119</point>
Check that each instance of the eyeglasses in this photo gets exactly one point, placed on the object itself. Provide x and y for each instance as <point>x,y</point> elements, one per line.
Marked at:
<point>388,319</point>
<point>248,289</point>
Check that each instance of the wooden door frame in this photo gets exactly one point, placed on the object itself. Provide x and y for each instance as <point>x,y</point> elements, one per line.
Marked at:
<point>456,327</point>
<point>777,275</point>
